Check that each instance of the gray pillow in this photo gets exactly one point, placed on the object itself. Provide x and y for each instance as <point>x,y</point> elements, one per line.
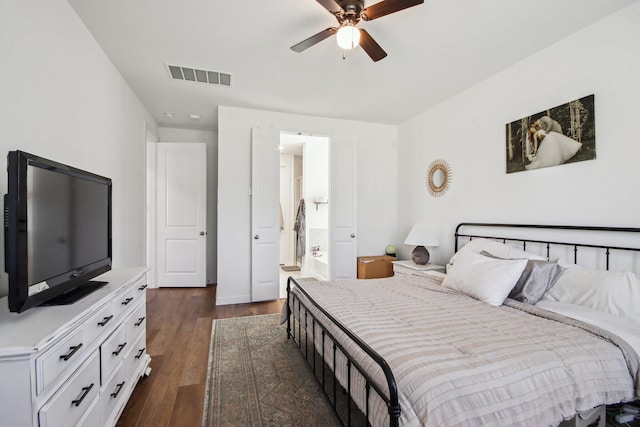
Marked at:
<point>537,278</point>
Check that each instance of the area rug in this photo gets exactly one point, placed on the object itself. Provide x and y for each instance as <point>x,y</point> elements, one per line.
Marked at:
<point>290,268</point>
<point>257,377</point>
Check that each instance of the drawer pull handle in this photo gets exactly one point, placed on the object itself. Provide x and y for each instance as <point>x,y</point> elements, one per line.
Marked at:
<point>73,349</point>
<point>85,391</point>
<point>105,320</point>
<point>127,301</point>
<point>143,287</point>
<point>120,347</point>
<point>140,352</point>
<point>118,389</point>
<point>140,320</point>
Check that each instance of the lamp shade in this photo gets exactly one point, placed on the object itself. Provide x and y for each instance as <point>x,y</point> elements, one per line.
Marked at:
<point>421,235</point>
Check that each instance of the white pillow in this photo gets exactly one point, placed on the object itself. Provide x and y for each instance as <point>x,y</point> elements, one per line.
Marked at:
<point>537,278</point>
<point>609,291</point>
<point>488,279</point>
<point>497,249</point>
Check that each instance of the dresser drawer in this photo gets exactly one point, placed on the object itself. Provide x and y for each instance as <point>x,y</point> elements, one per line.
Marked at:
<point>113,394</point>
<point>127,299</point>
<point>101,322</point>
<point>136,322</point>
<point>136,355</point>
<point>112,352</point>
<point>139,287</point>
<point>93,416</point>
<point>69,404</point>
<point>60,358</point>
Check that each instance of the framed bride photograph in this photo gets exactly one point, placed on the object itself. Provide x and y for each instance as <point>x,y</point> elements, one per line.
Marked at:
<point>555,136</point>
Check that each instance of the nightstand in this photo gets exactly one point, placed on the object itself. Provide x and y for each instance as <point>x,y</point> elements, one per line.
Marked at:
<point>409,267</point>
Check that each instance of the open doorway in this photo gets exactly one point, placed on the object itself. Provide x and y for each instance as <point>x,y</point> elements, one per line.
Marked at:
<point>304,207</point>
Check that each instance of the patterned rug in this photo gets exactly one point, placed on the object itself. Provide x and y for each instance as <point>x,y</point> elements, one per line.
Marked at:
<point>257,377</point>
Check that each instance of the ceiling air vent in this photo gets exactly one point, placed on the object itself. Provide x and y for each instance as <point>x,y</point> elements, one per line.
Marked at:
<point>198,75</point>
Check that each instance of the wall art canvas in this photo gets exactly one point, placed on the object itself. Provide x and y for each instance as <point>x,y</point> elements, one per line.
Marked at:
<point>558,135</point>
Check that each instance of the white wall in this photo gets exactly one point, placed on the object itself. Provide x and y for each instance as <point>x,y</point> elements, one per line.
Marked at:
<point>61,98</point>
<point>468,131</point>
<point>377,185</point>
<point>211,139</point>
<point>316,181</point>
<point>316,186</point>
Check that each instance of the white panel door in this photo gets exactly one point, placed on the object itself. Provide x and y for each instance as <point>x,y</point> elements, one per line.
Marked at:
<point>181,214</point>
<point>265,215</point>
<point>343,232</point>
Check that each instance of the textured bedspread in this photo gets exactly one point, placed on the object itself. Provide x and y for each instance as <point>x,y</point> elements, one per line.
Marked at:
<point>458,361</point>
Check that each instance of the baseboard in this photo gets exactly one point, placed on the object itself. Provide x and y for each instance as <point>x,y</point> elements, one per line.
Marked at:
<point>240,299</point>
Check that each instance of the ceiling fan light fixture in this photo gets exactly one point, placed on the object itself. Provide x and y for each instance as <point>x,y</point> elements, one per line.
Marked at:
<point>348,36</point>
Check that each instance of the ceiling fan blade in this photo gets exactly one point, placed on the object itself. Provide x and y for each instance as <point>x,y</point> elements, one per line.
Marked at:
<point>317,38</point>
<point>387,7</point>
<point>370,46</point>
<point>331,6</point>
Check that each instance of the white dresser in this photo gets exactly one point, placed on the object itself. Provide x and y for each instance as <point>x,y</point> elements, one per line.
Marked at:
<point>74,365</point>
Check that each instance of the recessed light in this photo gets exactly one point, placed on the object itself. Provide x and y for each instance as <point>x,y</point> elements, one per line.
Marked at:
<point>168,114</point>
<point>194,116</point>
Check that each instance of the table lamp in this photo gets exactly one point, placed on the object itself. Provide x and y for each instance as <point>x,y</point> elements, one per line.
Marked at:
<point>420,236</point>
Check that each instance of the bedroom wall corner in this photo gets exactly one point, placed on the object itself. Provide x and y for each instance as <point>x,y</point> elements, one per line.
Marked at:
<point>468,131</point>
<point>80,112</point>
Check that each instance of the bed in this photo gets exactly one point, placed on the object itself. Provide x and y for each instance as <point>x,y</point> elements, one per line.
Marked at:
<point>531,325</point>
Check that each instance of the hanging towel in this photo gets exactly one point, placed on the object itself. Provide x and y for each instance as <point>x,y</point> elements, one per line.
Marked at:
<point>299,228</point>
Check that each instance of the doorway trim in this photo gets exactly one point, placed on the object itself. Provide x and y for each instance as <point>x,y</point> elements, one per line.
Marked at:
<point>151,148</point>
<point>287,210</point>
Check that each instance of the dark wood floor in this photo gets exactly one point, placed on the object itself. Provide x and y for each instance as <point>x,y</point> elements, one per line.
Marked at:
<point>178,334</point>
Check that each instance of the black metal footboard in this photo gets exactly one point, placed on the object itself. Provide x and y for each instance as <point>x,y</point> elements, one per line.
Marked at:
<point>308,327</point>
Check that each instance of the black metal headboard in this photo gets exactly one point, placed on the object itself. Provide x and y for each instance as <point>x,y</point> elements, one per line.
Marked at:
<point>555,236</point>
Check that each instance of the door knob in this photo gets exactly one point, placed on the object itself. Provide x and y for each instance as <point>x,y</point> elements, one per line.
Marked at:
<point>353,235</point>
<point>202,233</point>
<point>257,236</point>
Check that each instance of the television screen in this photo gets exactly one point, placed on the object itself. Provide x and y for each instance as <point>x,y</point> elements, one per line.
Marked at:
<point>57,230</point>
<point>68,220</point>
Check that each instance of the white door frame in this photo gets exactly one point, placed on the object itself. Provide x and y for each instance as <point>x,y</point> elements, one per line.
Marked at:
<point>342,219</point>
<point>287,205</point>
<point>151,144</point>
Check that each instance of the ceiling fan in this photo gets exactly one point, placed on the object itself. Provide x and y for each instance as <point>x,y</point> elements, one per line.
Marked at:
<point>349,13</point>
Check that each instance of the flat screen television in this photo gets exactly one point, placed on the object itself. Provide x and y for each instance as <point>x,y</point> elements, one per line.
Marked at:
<point>57,231</point>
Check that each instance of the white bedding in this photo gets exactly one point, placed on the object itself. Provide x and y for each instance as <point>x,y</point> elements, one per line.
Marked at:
<point>458,361</point>
<point>620,326</point>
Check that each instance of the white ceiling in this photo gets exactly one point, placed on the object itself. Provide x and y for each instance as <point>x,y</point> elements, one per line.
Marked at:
<point>435,50</point>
